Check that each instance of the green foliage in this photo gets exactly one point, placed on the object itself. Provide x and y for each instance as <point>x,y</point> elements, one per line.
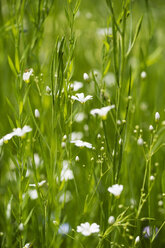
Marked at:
<point>50,181</point>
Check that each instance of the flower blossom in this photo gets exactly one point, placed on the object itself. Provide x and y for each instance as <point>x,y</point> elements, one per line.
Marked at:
<point>64,228</point>
<point>86,76</point>
<point>149,231</point>
<point>157,116</point>
<point>102,112</point>
<point>27,245</point>
<point>80,97</point>
<point>86,229</point>
<point>37,113</point>
<point>26,75</point>
<point>40,184</point>
<point>111,220</point>
<point>66,173</point>
<point>116,189</point>
<point>20,132</point>
<point>81,143</point>
<point>76,85</point>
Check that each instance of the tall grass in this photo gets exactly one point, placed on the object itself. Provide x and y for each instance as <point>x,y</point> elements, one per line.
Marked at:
<point>50,181</point>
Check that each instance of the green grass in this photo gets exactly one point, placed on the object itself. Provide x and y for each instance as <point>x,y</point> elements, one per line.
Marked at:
<point>60,41</point>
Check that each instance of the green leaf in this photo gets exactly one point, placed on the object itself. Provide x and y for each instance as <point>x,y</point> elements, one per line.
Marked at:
<point>76,7</point>
<point>28,218</point>
<point>12,67</point>
<point>138,27</point>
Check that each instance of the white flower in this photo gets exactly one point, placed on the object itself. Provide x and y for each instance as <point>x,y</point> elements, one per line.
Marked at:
<point>16,132</point>
<point>143,74</point>
<point>137,240</point>
<point>39,184</point>
<point>37,113</point>
<point>66,173</point>
<point>76,85</point>
<point>157,116</point>
<point>27,245</point>
<point>85,76</point>
<point>48,89</point>
<point>8,210</point>
<point>21,227</point>
<point>81,143</point>
<point>111,220</point>
<point>116,189</point>
<point>64,228</point>
<point>151,128</point>
<point>152,178</point>
<point>104,31</point>
<point>20,132</point>
<point>79,117</point>
<point>80,97</point>
<point>140,142</point>
<point>76,135</point>
<point>65,197</point>
<point>102,111</point>
<point>33,194</point>
<point>26,75</point>
<point>37,160</point>
<point>77,158</point>
<point>160,203</point>
<point>86,229</point>
<point>120,141</point>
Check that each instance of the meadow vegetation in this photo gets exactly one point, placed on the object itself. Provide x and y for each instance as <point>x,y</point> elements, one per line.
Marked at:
<point>82,130</point>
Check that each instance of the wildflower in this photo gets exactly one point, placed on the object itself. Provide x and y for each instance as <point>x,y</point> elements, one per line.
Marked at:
<point>48,89</point>
<point>116,189</point>
<point>120,141</point>
<point>160,203</point>
<point>37,159</point>
<point>40,184</point>
<point>21,227</point>
<point>8,210</point>
<point>157,116</point>
<point>27,245</point>
<point>16,132</point>
<point>64,228</point>
<point>152,178</point>
<point>143,74</point>
<point>66,173</point>
<point>76,85</point>
<point>77,158</point>
<point>140,142</point>
<point>86,229</point>
<point>33,194</point>
<point>37,113</point>
<point>111,220</point>
<point>102,112</point>
<point>149,231</point>
<point>151,128</point>
<point>80,97</point>
<point>65,197</point>
<point>104,31</point>
<point>81,143</point>
<point>85,76</point>
<point>79,117</point>
<point>137,240</point>
<point>26,75</point>
<point>76,135</point>
<point>118,122</point>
